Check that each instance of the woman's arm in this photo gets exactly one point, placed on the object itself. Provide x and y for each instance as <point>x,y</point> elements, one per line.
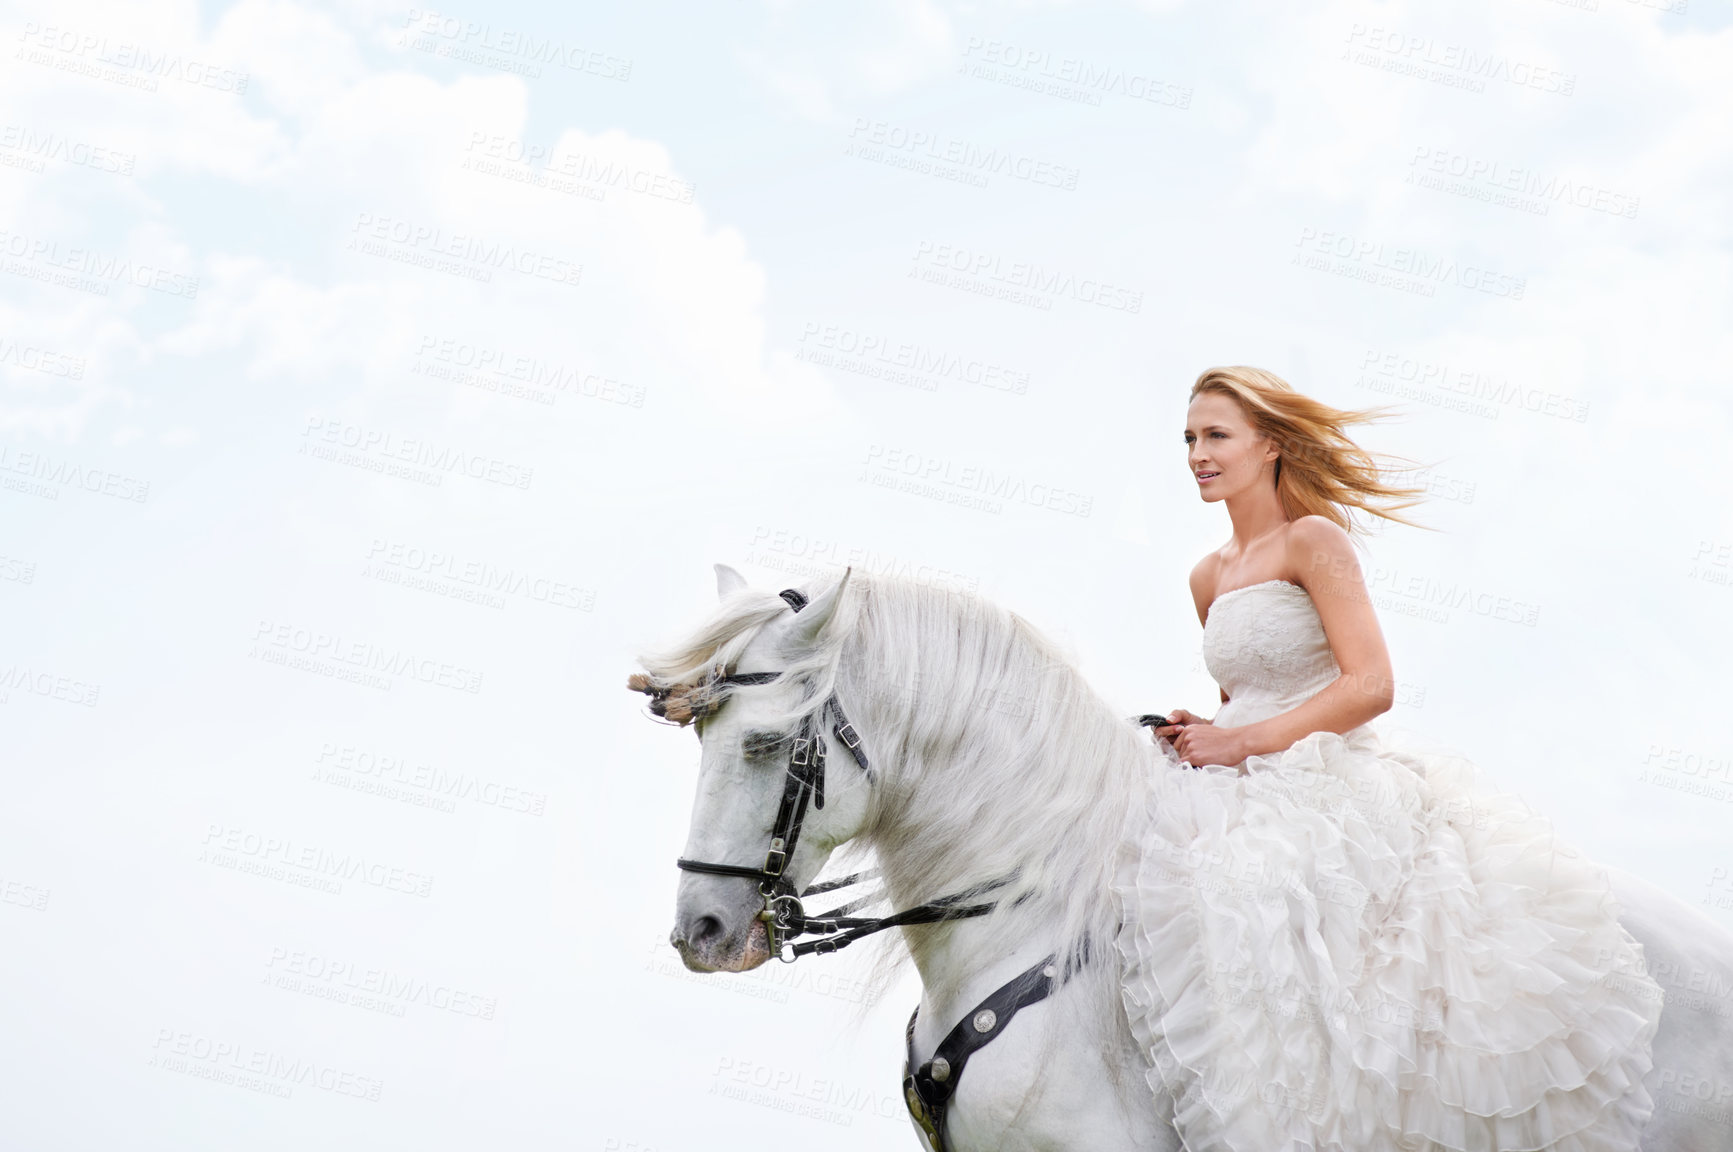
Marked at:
<point>1322,558</point>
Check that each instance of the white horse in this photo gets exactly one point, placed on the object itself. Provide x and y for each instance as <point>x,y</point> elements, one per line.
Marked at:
<point>991,757</point>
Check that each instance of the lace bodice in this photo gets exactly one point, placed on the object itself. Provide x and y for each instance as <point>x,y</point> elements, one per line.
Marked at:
<point>1266,647</point>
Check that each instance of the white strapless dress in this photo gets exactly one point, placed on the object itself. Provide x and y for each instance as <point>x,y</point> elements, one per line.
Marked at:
<point>1355,946</point>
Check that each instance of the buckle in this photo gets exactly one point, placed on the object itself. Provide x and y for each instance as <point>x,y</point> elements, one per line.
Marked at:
<point>802,752</point>
<point>849,737</point>
<point>918,1113</point>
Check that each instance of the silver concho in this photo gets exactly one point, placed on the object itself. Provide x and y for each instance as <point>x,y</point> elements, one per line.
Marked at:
<point>941,1070</point>
<point>984,1020</point>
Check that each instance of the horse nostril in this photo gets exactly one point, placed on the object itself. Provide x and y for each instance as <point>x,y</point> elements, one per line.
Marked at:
<point>704,930</point>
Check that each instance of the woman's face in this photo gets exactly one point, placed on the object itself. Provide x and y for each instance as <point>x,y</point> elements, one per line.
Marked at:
<point>1225,453</point>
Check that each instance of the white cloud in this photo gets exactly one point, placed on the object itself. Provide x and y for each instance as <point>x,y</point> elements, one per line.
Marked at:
<point>819,59</point>
<point>354,155</point>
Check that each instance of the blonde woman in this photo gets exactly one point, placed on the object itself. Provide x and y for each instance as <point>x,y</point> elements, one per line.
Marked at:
<point>1372,951</point>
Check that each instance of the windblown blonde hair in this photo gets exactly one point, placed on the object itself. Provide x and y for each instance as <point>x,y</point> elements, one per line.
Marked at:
<point>1321,472</point>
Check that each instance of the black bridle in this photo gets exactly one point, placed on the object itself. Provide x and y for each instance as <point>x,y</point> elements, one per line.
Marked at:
<point>784,915</point>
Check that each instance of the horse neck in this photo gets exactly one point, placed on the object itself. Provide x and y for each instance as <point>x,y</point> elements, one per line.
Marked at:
<point>994,769</point>
<point>955,958</point>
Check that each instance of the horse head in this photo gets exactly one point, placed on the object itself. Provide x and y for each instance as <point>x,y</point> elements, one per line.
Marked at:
<point>747,776</point>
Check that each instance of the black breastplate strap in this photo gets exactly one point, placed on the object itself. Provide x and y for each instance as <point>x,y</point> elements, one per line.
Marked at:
<point>928,1088</point>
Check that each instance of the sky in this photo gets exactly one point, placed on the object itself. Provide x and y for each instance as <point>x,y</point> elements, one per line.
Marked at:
<point>458,344</point>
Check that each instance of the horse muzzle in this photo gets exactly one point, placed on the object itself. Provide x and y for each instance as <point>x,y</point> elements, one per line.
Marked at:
<point>706,944</point>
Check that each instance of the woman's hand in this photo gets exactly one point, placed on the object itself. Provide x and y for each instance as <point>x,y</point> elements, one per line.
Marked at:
<point>1198,741</point>
<point>1180,717</point>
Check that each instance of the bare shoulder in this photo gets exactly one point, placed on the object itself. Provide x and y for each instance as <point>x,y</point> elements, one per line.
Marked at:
<point>1319,552</point>
<point>1204,575</point>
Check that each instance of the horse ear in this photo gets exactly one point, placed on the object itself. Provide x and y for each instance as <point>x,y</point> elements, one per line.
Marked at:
<point>728,581</point>
<point>810,623</point>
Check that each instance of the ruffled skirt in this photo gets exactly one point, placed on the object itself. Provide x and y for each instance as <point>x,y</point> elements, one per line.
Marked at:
<point>1353,946</point>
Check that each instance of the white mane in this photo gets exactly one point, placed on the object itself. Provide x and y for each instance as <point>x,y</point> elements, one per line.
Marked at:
<point>992,754</point>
